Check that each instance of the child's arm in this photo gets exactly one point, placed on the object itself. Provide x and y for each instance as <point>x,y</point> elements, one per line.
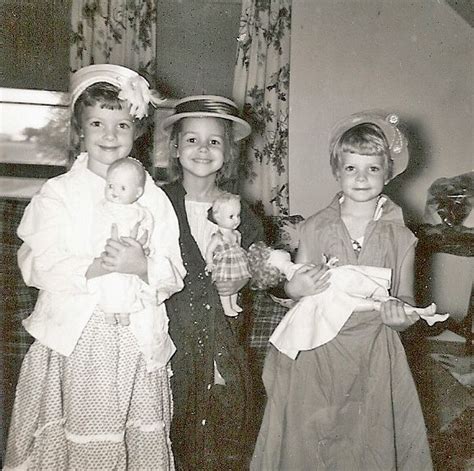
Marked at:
<point>307,280</point>
<point>213,243</point>
<point>393,311</point>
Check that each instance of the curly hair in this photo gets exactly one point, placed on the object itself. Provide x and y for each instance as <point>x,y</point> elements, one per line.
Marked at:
<point>262,274</point>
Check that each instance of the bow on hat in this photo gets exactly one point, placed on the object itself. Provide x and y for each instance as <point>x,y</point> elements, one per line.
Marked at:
<point>133,87</point>
<point>388,123</point>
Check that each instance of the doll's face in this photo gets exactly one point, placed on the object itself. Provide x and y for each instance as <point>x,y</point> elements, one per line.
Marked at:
<point>122,186</point>
<point>227,215</point>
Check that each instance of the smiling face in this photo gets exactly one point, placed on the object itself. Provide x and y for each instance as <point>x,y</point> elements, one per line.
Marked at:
<point>227,215</point>
<point>201,147</point>
<point>122,185</point>
<point>362,177</point>
<point>108,136</point>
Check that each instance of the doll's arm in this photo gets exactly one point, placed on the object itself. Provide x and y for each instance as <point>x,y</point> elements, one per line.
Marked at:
<point>238,237</point>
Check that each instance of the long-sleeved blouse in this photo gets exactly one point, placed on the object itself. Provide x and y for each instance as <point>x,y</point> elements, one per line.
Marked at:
<point>58,248</point>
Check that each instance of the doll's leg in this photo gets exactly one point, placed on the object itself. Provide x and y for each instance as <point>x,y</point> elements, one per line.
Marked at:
<point>226,304</point>
<point>233,302</point>
<point>421,311</point>
<point>409,309</point>
<point>109,318</point>
<point>123,318</point>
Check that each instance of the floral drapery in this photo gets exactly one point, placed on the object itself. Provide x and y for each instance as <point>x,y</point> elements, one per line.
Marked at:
<point>261,87</point>
<point>121,32</point>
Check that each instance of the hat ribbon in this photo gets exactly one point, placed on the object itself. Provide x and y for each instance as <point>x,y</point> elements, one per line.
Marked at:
<point>206,106</point>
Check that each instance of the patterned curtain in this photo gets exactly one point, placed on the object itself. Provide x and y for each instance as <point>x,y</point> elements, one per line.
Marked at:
<point>121,32</point>
<point>261,87</point>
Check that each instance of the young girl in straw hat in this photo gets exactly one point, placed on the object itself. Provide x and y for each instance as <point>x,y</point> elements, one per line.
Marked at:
<point>211,382</point>
<point>351,403</point>
<point>87,396</point>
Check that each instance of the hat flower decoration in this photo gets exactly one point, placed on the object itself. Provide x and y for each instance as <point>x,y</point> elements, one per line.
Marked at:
<point>136,91</point>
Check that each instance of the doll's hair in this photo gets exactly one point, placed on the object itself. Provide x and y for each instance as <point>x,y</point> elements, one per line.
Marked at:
<point>223,198</point>
<point>363,139</point>
<point>262,274</point>
<point>230,167</point>
<point>130,165</point>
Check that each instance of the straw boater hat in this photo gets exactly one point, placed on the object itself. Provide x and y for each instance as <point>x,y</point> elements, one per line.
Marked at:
<point>133,87</point>
<point>388,123</point>
<point>204,106</point>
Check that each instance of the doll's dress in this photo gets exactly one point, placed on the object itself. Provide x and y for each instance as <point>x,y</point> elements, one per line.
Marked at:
<point>316,320</point>
<point>229,261</point>
<point>119,292</point>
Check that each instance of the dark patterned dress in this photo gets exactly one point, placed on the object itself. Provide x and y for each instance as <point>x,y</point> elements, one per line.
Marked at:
<point>211,421</point>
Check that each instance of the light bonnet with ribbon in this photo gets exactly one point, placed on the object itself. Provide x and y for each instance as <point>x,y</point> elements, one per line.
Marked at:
<point>388,123</point>
<point>133,87</point>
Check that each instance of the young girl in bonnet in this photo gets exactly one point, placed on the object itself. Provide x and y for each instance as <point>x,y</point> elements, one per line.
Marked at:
<point>351,403</point>
<point>87,398</point>
<point>211,382</point>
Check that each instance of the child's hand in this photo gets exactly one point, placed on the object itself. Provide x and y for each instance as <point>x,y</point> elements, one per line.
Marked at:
<point>208,268</point>
<point>308,280</point>
<point>394,315</point>
<point>226,288</point>
<point>125,256</point>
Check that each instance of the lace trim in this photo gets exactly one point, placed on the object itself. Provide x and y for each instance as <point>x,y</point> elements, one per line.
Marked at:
<point>101,437</point>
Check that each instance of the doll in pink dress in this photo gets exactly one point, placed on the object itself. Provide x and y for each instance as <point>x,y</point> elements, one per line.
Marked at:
<point>225,258</point>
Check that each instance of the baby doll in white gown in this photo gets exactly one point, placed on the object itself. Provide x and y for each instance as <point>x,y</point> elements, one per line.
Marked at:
<point>120,294</point>
<point>317,319</point>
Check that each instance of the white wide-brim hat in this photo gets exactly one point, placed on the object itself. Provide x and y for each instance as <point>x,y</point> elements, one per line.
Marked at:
<point>133,87</point>
<point>209,106</point>
<point>388,123</point>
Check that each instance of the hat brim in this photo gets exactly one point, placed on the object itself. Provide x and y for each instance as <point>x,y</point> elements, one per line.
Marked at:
<point>240,127</point>
<point>91,74</point>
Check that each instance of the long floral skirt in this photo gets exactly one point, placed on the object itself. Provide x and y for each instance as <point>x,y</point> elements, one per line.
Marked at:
<point>96,409</point>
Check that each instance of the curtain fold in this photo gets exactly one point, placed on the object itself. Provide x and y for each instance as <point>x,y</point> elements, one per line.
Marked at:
<point>121,32</point>
<point>261,88</point>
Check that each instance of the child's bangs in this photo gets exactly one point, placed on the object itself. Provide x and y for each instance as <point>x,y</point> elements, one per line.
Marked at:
<point>105,101</point>
<point>363,147</point>
<point>103,94</point>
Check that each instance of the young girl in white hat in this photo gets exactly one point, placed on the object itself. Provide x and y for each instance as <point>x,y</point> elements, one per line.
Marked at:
<point>87,398</point>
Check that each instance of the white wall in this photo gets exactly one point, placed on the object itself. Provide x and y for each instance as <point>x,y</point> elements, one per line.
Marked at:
<point>412,57</point>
